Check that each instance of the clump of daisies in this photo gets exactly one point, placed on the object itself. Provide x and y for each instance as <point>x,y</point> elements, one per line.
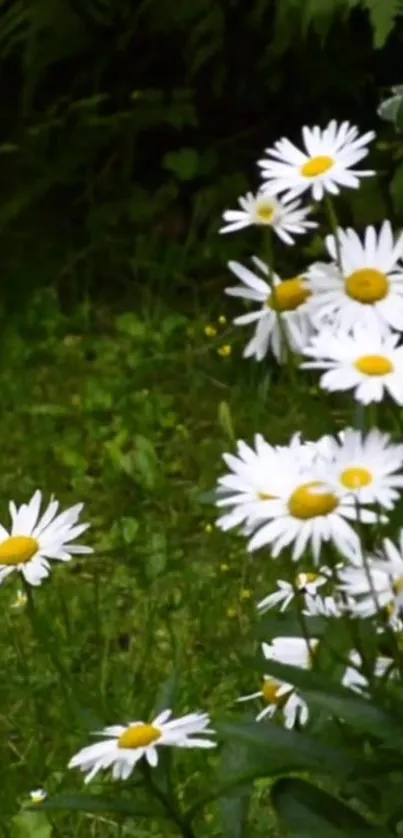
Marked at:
<point>316,510</point>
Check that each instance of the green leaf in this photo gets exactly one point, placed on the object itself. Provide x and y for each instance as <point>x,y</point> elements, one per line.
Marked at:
<point>309,811</point>
<point>235,758</point>
<point>382,15</point>
<point>94,804</point>
<point>275,750</point>
<point>184,163</point>
<point>31,824</point>
<point>321,693</point>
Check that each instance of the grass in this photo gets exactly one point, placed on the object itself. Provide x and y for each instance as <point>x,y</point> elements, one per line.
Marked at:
<point>130,413</point>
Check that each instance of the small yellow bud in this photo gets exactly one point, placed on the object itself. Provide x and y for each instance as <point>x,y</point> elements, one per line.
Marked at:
<point>224,567</point>
<point>232,612</point>
<point>222,320</point>
<point>246,593</point>
<point>225,351</point>
<point>210,331</point>
<point>208,528</point>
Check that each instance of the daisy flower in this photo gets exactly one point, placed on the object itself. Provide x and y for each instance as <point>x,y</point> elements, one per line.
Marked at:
<point>285,299</point>
<point>285,216</point>
<point>308,511</point>
<point>378,585</point>
<point>279,695</point>
<point>366,361</point>
<point>35,538</point>
<point>365,466</point>
<point>324,165</point>
<point>355,679</point>
<point>123,746</point>
<point>304,583</point>
<point>247,489</point>
<point>38,795</point>
<point>366,288</point>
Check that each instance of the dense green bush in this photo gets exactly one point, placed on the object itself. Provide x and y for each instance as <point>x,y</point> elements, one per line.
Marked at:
<point>125,126</point>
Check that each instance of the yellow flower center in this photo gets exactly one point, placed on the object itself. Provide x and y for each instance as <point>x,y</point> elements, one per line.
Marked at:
<point>317,166</point>
<point>356,478</point>
<point>265,211</point>
<point>18,549</point>
<point>270,692</point>
<point>367,285</point>
<point>305,503</point>
<point>374,365</point>
<point>289,295</point>
<point>139,736</point>
<point>303,579</point>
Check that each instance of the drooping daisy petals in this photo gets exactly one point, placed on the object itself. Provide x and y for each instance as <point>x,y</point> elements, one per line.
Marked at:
<point>323,166</point>
<point>376,584</point>
<point>285,299</point>
<point>34,539</point>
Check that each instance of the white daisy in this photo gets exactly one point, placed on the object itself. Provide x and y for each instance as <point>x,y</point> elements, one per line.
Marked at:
<point>354,677</point>
<point>286,299</point>
<point>378,585</point>
<point>285,216</point>
<point>279,697</point>
<point>38,795</point>
<point>366,288</point>
<point>125,745</point>
<point>304,584</point>
<point>307,511</point>
<point>364,466</point>
<point>365,361</point>
<point>323,166</point>
<point>35,538</point>
<point>247,489</point>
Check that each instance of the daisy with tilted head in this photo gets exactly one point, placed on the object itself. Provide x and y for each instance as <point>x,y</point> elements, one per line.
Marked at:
<point>286,217</point>
<point>124,746</point>
<point>305,584</point>
<point>363,285</point>
<point>323,166</point>
<point>376,582</point>
<point>35,538</point>
<point>285,299</point>
<point>366,361</point>
<point>279,696</point>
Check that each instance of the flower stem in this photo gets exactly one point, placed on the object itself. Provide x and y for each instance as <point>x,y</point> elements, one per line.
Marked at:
<point>183,824</point>
<point>334,226</point>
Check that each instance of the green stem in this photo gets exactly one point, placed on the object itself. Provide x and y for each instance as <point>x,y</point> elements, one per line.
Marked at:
<point>334,226</point>
<point>182,823</point>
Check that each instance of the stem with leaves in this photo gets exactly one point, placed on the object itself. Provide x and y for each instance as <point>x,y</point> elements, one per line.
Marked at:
<point>182,823</point>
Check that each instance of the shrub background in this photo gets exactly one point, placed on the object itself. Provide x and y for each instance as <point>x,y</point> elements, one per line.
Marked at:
<point>127,127</point>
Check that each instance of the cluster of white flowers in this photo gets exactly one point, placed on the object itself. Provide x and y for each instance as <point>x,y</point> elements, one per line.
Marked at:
<point>313,501</point>
<point>32,541</point>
